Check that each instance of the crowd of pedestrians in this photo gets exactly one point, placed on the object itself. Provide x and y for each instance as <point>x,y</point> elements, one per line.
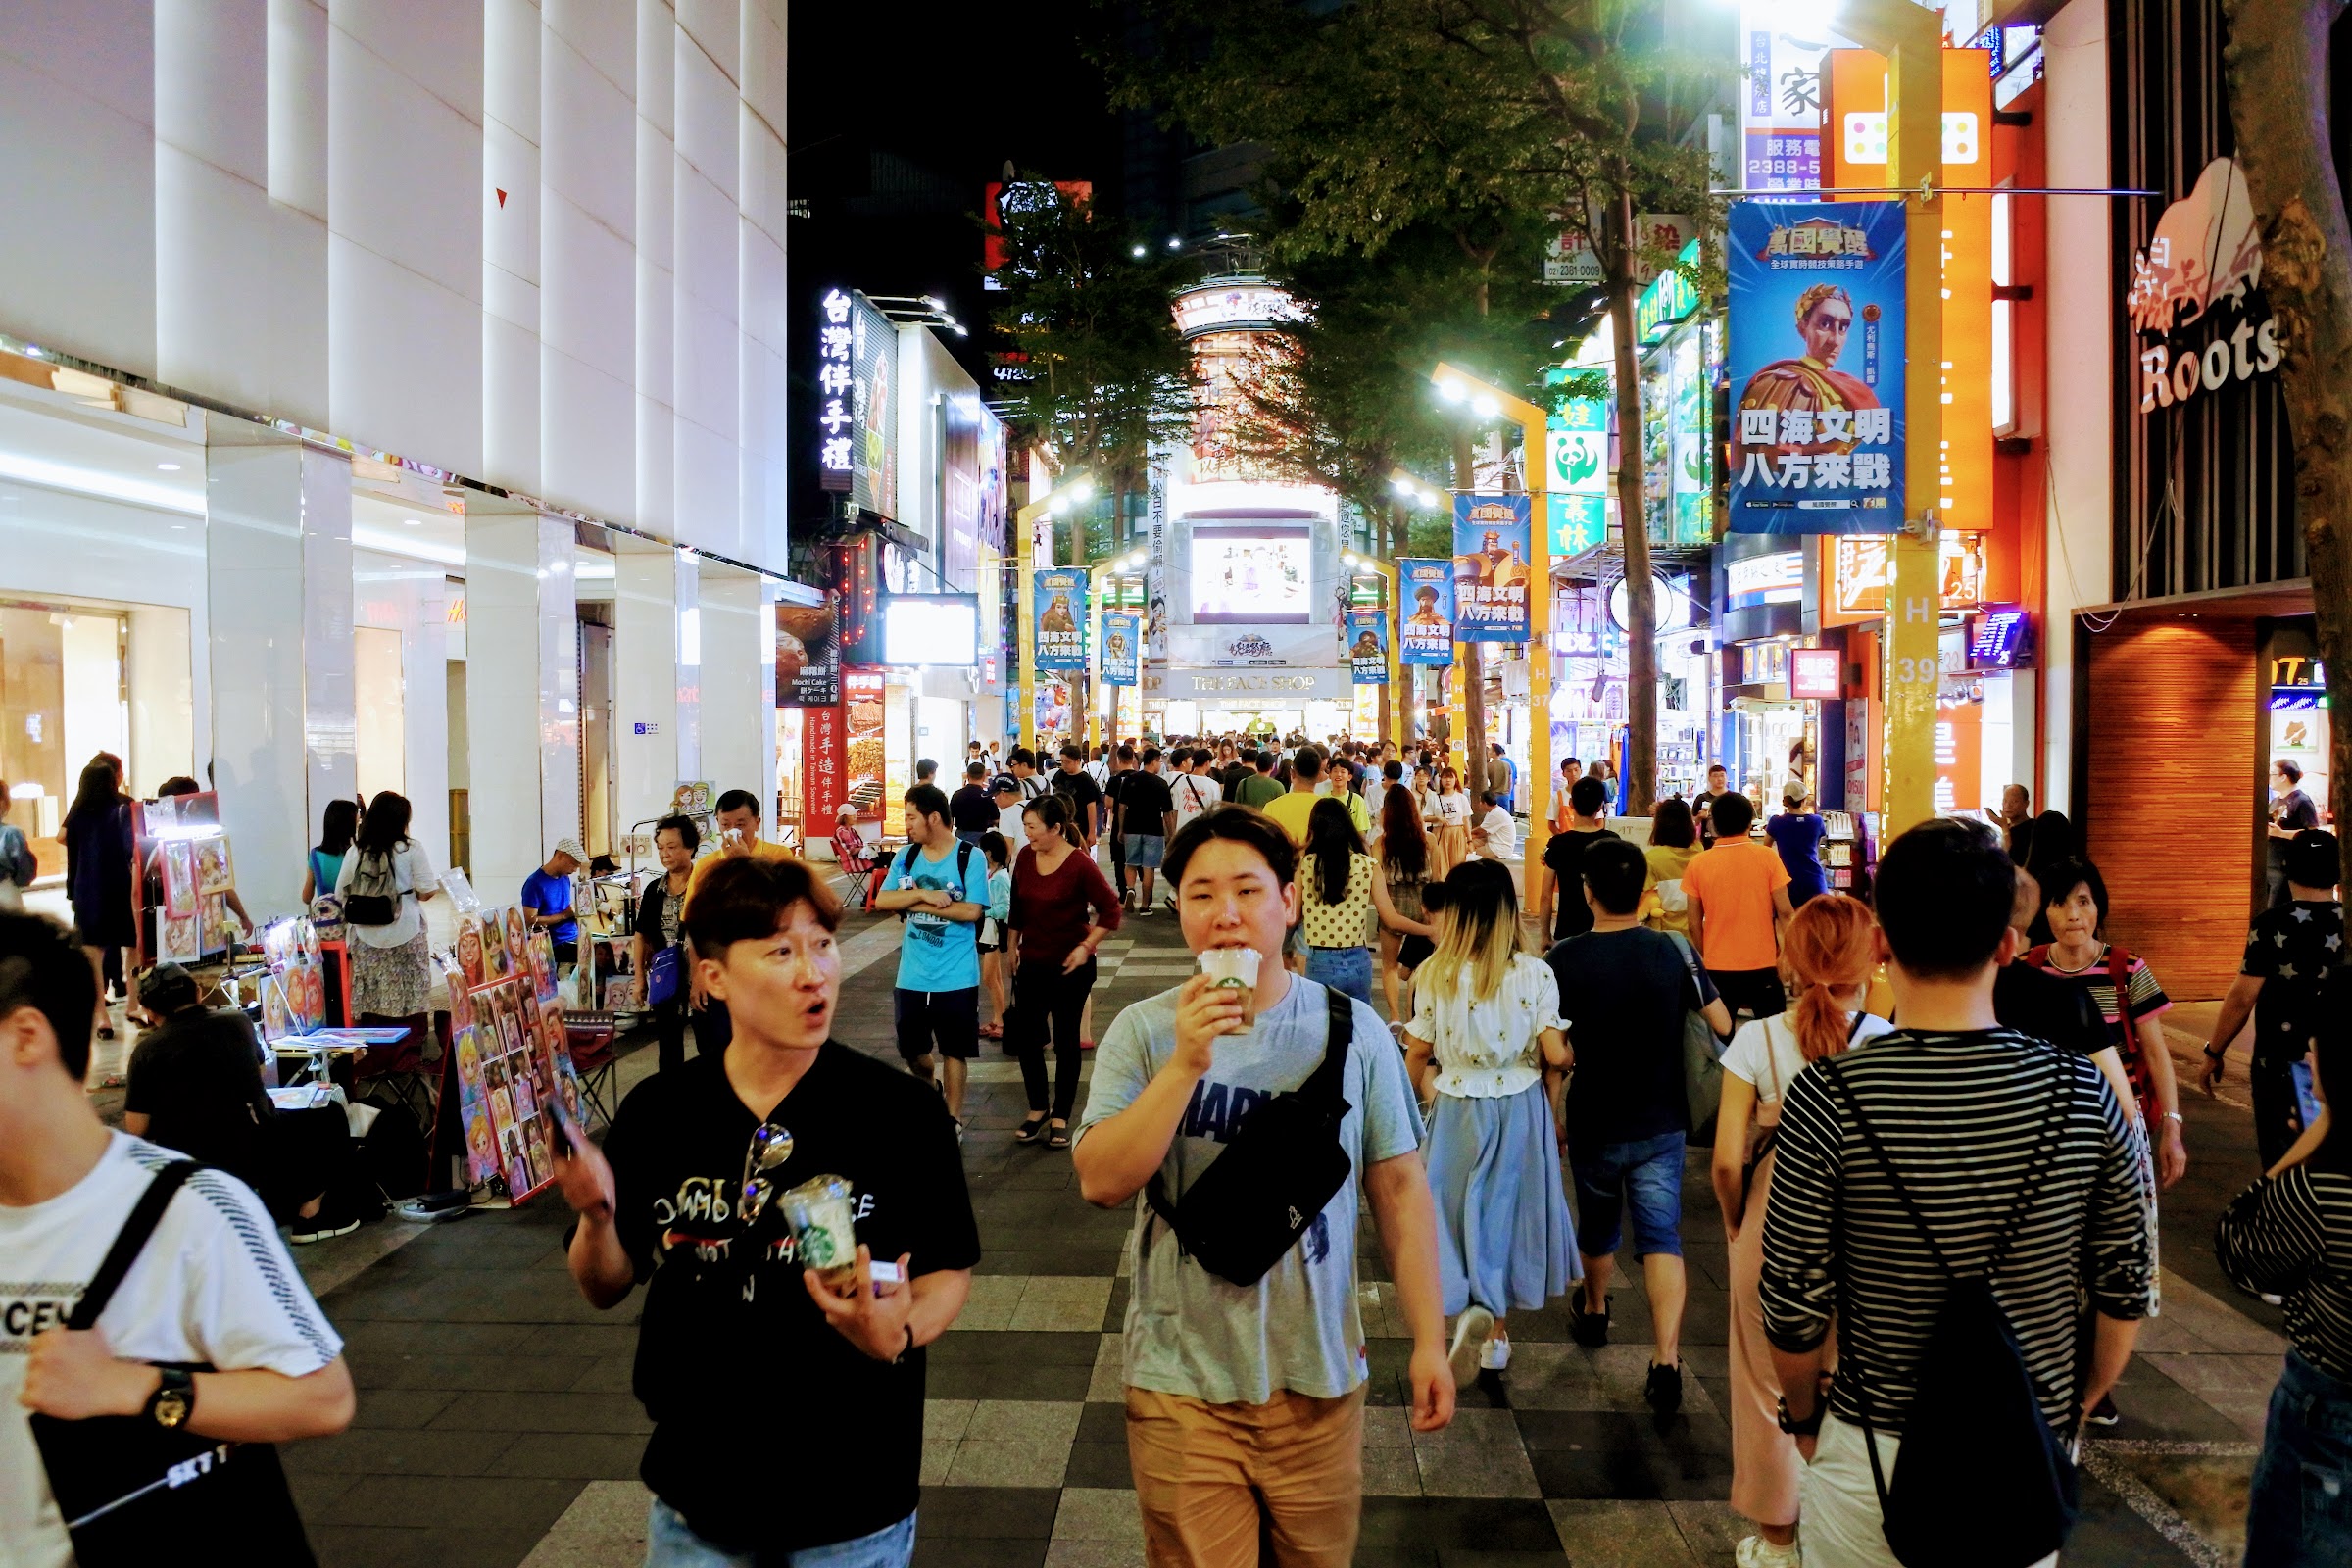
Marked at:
<point>1938,1124</point>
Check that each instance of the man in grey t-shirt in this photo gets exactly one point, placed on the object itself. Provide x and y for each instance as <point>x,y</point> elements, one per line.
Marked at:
<point>1261,1383</point>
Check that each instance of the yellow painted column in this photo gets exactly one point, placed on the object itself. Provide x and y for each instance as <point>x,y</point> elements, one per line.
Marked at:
<point>1914,154</point>
<point>1535,784</point>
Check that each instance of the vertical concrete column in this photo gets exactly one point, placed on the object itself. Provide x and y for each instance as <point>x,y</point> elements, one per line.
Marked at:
<point>279,593</point>
<point>650,724</point>
<point>521,693</point>
<point>738,737</point>
<point>686,591</point>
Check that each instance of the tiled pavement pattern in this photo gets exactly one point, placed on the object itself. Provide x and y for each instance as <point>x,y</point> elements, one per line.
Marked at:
<point>495,1424</point>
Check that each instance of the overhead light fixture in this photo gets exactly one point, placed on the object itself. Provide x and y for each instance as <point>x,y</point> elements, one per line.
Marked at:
<point>1139,250</point>
<point>1451,391</point>
<point>168,467</point>
<point>1175,242</point>
<point>413,523</point>
<point>1485,407</point>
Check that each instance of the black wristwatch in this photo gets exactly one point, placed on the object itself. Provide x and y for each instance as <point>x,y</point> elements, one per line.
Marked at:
<point>1810,1427</point>
<point>174,1401</point>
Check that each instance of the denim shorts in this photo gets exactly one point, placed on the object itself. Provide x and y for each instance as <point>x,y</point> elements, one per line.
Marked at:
<point>670,1542</point>
<point>1647,1177</point>
<point>1345,970</point>
<point>1144,850</point>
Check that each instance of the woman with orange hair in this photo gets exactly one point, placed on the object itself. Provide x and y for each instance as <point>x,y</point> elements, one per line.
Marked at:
<point>1831,953</point>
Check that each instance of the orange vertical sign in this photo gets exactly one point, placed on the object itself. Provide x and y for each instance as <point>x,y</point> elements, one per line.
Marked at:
<point>1853,153</point>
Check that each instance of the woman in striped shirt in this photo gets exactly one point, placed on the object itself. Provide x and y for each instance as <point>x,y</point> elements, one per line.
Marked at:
<point>2290,1235</point>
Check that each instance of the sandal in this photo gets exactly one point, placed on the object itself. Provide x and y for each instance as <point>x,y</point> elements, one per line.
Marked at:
<point>1030,1131</point>
<point>992,1031</point>
<point>1060,1137</point>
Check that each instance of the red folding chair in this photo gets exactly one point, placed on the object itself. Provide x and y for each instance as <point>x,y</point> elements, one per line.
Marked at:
<point>855,869</point>
<point>590,1037</point>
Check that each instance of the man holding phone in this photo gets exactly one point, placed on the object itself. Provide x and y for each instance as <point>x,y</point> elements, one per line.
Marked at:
<point>738,839</point>
<point>787,1413</point>
<point>1247,1405</point>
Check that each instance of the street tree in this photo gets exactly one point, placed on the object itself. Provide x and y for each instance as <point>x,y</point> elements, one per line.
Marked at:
<point>2280,100</point>
<point>1386,114</point>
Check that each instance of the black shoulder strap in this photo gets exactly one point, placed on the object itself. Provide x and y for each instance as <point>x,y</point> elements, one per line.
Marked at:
<point>1324,1082</point>
<point>963,862</point>
<point>129,1241</point>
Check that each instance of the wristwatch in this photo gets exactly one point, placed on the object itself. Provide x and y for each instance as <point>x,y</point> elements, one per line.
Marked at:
<point>1810,1427</point>
<point>175,1398</point>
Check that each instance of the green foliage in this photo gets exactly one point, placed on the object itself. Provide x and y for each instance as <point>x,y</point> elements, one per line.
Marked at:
<point>1108,378</point>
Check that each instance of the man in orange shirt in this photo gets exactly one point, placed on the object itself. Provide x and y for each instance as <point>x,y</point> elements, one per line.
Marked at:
<point>1738,893</point>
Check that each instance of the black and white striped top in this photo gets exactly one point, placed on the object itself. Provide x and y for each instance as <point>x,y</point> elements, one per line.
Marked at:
<point>2290,1235</point>
<point>1963,1117</point>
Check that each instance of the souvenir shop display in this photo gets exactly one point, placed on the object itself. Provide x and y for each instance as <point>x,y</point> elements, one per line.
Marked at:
<point>513,1067</point>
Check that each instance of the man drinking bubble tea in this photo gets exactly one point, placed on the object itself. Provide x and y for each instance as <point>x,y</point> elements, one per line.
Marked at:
<point>1243,1396</point>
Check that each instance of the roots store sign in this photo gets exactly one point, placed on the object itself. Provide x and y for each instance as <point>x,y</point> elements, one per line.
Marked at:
<point>2196,303</point>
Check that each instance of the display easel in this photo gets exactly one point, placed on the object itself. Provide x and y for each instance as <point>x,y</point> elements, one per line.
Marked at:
<point>182,876</point>
<point>512,1062</point>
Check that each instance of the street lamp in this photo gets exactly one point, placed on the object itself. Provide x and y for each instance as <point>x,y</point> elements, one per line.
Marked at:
<point>1487,402</point>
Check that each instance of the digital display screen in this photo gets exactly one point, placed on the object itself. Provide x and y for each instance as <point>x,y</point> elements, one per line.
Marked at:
<point>1263,574</point>
<point>2002,638</point>
<point>931,630</point>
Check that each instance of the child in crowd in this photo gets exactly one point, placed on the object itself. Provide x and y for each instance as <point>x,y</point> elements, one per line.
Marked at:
<point>992,929</point>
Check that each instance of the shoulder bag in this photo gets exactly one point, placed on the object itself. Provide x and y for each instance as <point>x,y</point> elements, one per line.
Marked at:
<point>1975,1432</point>
<point>1760,1136</point>
<point>132,1490</point>
<point>1703,1055</point>
<point>375,892</point>
<point>1279,1169</point>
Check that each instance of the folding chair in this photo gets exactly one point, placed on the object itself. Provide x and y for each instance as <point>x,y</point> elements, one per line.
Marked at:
<point>857,871</point>
<point>400,1071</point>
<point>590,1037</point>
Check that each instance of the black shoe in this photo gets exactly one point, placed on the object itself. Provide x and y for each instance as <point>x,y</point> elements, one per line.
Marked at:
<point>1664,1390</point>
<point>1588,1329</point>
<point>325,1225</point>
<point>2104,1414</point>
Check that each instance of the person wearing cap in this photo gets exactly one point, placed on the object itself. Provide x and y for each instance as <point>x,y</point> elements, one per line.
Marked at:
<point>1007,792</point>
<point>547,894</point>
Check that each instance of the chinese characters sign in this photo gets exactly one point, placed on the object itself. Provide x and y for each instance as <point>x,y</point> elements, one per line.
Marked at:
<point>1491,569</point>
<point>807,656</point>
<point>1368,646</point>
<point>856,419</point>
<point>1426,588</point>
<point>1577,481</point>
<point>1060,598</point>
<point>1779,104</point>
<point>1817,359</point>
<point>1122,648</point>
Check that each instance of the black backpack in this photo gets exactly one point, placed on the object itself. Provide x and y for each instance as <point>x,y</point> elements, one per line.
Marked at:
<point>1976,1431</point>
<point>1278,1170</point>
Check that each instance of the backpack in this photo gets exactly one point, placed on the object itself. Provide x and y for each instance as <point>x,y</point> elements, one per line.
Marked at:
<point>376,893</point>
<point>1976,1431</point>
<point>963,858</point>
<point>1278,1171</point>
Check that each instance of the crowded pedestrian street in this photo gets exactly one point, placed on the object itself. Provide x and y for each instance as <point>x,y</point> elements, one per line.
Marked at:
<point>496,1426</point>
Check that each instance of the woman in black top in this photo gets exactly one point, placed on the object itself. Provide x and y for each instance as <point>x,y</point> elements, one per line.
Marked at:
<point>659,907</point>
<point>97,835</point>
<point>2290,1235</point>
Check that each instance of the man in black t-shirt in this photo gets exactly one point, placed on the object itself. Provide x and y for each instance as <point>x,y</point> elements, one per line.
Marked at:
<point>1073,784</point>
<point>1146,815</point>
<point>1114,786</point>
<point>782,1371</point>
<point>1719,784</point>
<point>2291,949</point>
<point>1563,896</point>
<point>972,809</point>
<point>2291,812</point>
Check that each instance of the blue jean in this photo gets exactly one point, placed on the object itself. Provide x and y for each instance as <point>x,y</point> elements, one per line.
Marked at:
<point>2299,1512</point>
<point>1645,1176</point>
<point>1348,969</point>
<point>670,1542</point>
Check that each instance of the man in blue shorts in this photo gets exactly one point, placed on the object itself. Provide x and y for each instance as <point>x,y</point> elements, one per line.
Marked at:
<point>940,884</point>
<point>1146,816</point>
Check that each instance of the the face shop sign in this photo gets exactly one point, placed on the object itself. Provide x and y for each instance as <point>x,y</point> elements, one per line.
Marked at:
<point>2203,268</point>
<point>1245,683</point>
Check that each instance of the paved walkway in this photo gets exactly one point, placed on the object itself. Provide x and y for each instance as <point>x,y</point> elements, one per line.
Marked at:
<point>495,1424</point>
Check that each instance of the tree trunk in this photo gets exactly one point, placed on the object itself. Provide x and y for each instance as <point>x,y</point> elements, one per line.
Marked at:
<point>2276,62</point>
<point>1638,791</point>
<point>1473,738</point>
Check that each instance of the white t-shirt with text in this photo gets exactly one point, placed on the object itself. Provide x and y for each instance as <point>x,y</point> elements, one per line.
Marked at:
<point>213,1285</point>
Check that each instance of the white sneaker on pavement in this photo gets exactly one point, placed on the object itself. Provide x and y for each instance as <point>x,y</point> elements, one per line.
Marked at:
<point>1471,1335</point>
<point>1754,1551</point>
<point>1495,1356</point>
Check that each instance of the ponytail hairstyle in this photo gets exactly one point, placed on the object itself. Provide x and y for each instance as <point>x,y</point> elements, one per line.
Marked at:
<point>1054,812</point>
<point>1830,950</point>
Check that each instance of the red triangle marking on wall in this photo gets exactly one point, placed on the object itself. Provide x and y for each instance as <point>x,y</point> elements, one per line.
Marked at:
<point>502,198</point>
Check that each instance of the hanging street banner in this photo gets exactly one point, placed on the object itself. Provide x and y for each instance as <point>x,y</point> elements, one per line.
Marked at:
<point>1577,485</point>
<point>1491,569</point>
<point>1060,619</point>
<point>1368,646</point>
<point>1817,360</point>
<point>1426,632</point>
<point>1122,648</point>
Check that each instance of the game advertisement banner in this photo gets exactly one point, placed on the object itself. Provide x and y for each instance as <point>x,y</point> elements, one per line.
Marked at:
<point>1817,366</point>
<point>1122,648</point>
<point>1491,567</point>
<point>1060,598</point>
<point>1368,646</point>
<point>1425,586</point>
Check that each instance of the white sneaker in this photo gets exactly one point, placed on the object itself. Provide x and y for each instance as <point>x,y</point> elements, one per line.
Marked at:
<point>1754,1551</point>
<point>1495,1356</point>
<point>1471,1335</point>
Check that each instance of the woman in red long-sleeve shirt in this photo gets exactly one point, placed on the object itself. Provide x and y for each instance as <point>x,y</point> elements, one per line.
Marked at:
<point>1053,954</point>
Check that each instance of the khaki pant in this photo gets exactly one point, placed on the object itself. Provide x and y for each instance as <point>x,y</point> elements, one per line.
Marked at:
<point>1841,1526</point>
<point>1203,1472</point>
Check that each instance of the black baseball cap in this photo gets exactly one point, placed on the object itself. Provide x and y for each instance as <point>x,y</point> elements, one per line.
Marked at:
<point>1004,784</point>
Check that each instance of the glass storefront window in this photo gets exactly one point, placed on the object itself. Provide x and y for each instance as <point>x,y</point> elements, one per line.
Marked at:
<point>62,701</point>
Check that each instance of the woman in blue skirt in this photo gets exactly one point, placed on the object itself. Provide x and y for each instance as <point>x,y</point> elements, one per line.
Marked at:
<point>1485,1024</point>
